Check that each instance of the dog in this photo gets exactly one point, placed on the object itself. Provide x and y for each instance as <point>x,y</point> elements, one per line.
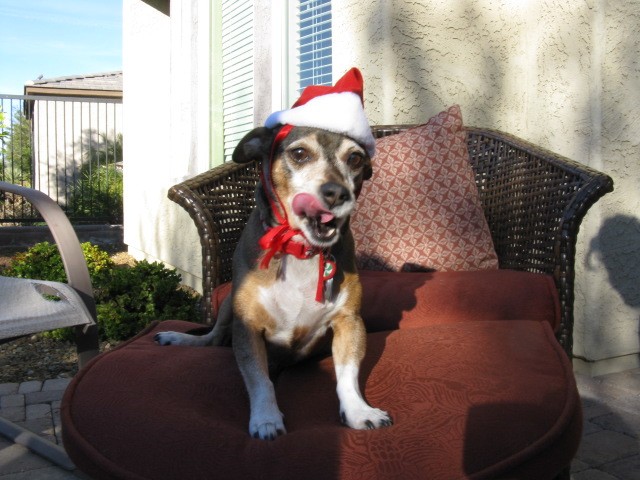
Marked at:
<point>273,314</point>
<point>295,288</point>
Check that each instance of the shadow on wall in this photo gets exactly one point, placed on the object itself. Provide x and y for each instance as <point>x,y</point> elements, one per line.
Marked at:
<point>618,247</point>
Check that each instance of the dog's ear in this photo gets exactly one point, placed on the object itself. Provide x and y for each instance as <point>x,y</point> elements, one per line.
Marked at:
<point>367,170</point>
<point>254,146</point>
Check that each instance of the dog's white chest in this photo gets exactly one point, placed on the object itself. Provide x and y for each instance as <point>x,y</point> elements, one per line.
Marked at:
<point>290,301</point>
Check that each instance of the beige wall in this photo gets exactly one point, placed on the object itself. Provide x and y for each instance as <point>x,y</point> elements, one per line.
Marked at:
<point>166,93</point>
<point>563,74</point>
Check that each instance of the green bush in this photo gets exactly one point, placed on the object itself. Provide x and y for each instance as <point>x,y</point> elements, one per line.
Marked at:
<point>130,298</point>
<point>127,299</point>
<point>43,262</point>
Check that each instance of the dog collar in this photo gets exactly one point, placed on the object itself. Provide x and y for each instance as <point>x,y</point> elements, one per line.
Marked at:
<point>280,239</point>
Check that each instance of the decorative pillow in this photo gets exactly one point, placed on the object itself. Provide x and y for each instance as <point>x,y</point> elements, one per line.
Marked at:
<point>421,210</point>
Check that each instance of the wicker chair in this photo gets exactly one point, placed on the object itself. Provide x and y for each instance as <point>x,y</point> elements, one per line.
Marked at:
<point>534,201</point>
<point>481,397</point>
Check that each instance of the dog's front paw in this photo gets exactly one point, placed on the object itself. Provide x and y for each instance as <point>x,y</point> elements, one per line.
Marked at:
<point>366,418</point>
<point>267,426</point>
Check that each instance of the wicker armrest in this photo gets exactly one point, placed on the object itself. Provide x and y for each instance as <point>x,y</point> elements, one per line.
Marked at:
<point>219,201</point>
<point>534,201</point>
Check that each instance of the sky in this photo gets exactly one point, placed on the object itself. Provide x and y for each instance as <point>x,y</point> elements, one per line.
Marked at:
<point>57,38</point>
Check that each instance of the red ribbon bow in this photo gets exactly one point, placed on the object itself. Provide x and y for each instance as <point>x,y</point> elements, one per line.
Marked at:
<point>280,240</point>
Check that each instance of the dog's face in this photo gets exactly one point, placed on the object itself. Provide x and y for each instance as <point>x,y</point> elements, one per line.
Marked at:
<point>316,175</point>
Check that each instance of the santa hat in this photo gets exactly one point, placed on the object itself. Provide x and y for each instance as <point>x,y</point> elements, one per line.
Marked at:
<point>338,109</point>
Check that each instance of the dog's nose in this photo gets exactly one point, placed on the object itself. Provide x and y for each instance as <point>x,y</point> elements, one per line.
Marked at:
<point>334,194</point>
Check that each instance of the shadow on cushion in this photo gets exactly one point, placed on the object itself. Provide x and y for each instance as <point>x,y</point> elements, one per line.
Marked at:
<point>393,300</point>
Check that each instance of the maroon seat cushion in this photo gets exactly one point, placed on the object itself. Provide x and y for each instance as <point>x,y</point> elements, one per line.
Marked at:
<point>393,300</point>
<point>478,399</point>
<point>409,299</point>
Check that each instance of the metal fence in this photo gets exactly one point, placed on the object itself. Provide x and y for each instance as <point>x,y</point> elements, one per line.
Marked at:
<point>67,147</point>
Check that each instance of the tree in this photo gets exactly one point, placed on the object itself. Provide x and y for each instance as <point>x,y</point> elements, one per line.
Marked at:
<point>3,129</point>
<point>97,192</point>
<point>17,155</point>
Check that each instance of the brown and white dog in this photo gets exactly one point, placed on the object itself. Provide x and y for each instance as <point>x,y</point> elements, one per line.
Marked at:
<point>296,290</point>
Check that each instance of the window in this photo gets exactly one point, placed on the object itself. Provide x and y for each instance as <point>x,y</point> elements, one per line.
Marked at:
<point>237,71</point>
<point>306,30</point>
<point>314,43</point>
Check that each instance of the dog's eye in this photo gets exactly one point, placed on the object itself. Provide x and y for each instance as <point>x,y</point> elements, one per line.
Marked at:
<point>300,155</point>
<point>355,160</point>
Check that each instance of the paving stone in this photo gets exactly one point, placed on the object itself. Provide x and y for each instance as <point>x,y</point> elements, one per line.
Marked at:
<point>49,473</point>
<point>625,403</point>
<point>605,447</point>
<point>14,414</point>
<point>43,397</point>
<point>627,468</point>
<point>8,401</point>
<point>578,465</point>
<point>592,474</point>
<point>56,384</point>
<point>18,459</point>
<point>8,388</point>
<point>625,422</point>
<point>29,387</point>
<point>592,408</point>
<point>590,428</point>
<point>39,410</point>
<point>43,427</point>
<point>628,380</point>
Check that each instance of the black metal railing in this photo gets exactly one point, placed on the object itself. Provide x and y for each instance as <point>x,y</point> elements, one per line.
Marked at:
<point>67,147</point>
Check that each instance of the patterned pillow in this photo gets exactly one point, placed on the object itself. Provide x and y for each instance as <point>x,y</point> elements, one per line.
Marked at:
<point>421,209</point>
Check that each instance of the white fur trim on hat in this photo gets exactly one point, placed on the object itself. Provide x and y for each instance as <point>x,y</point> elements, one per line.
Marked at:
<point>336,112</point>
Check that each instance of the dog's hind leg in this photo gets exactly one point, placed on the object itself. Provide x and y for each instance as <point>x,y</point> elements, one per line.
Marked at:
<point>219,335</point>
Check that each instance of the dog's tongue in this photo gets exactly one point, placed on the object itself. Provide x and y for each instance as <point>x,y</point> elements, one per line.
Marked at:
<point>308,205</point>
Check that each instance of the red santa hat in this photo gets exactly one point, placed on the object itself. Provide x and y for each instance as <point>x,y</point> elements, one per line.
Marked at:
<point>338,109</point>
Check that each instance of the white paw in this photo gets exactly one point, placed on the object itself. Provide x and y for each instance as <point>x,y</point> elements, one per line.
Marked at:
<point>365,417</point>
<point>177,338</point>
<point>267,424</point>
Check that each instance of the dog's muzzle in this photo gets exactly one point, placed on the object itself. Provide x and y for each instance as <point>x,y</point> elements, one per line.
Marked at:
<point>321,225</point>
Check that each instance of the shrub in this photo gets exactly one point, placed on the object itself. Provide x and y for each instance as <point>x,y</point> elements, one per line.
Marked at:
<point>131,298</point>
<point>43,262</point>
<point>127,299</point>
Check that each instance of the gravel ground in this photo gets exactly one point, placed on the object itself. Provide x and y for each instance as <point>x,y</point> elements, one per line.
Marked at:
<point>40,358</point>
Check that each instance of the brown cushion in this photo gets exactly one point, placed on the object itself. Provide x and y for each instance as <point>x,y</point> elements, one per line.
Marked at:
<point>394,300</point>
<point>485,399</point>
<point>421,209</point>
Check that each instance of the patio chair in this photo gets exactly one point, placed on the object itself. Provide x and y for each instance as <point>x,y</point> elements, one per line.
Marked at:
<point>30,306</point>
<point>466,362</point>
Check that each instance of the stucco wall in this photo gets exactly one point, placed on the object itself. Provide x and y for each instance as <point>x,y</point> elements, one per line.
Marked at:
<point>166,127</point>
<point>563,74</point>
